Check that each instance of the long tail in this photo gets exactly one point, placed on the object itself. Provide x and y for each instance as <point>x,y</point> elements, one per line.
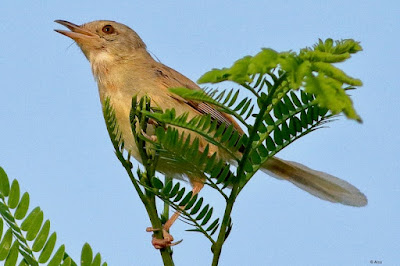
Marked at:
<point>319,184</point>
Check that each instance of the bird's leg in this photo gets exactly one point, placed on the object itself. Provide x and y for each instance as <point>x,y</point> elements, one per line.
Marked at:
<point>152,138</point>
<point>167,237</point>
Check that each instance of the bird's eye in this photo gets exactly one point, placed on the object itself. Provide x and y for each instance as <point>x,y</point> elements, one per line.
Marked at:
<point>108,29</point>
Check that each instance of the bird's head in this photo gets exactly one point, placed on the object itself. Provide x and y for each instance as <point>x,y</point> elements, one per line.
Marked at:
<point>103,38</point>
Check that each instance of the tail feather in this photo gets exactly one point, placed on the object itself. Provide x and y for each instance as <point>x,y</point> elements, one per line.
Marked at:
<point>319,184</point>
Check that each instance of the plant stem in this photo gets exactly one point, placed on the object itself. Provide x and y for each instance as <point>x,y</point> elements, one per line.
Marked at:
<point>147,197</point>
<point>165,212</point>
<point>235,189</point>
<point>149,203</point>
<point>217,248</point>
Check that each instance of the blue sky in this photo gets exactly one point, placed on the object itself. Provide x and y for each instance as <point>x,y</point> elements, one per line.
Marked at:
<point>54,141</point>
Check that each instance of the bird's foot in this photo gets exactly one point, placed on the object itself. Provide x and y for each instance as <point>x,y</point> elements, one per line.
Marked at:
<point>162,243</point>
<point>152,138</point>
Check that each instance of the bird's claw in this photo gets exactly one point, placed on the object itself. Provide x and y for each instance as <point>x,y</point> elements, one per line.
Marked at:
<point>152,138</point>
<point>165,242</point>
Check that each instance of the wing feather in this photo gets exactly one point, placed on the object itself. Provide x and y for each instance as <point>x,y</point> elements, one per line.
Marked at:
<point>171,78</point>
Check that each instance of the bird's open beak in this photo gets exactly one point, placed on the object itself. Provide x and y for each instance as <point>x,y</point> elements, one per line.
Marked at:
<point>77,33</point>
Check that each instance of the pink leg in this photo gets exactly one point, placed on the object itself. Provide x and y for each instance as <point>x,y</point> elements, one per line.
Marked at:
<point>167,238</point>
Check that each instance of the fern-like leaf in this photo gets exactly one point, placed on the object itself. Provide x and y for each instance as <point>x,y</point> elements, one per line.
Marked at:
<point>28,239</point>
<point>225,137</point>
<point>193,211</point>
<point>226,104</point>
<point>312,69</point>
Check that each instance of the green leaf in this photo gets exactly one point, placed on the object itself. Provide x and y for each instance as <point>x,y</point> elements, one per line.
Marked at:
<point>263,62</point>
<point>211,227</point>
<point>30,219</point>
<point>233,140</point>
<point>5,244</point>
<point>203,212</point>
<point>5,212</point>
<point>217,169</point>
<point>186,199</point>
<point>174,190</point>
<point>241,104</point>
<point>298,68</point>
<point>288,103</point>
<point>197,207</point>
<point>278,111</point>
<point>167,188</point>
<point>241,70</point>
<point>234,98</point>
<point>48,248</point>
<point>23,263</point>
<point>35,227</point>
<point>318,56</point>
<point>248,167</point>
<point>297,124</point>
<point>278,136</point>
<point>180,195</point>
<point>285,131</point>
<point>12,257</point>
<point>331,95</point>
<point>157,183</point>
<point>41,237</point>
<point>87,255</point>
<point>310,115</point>
<point>13,197</point>
<point>207,217</point>
<point>315,112</point>
<point>283,108</point>
<point>304,97</point>
<point>323,111</point>
<point>255,157</point>
<point>214,230</point>
<point>295,99</point>
<point>270,144</point>
<point>262,151</point>
<point>58,257</point>
<point>227,134</point>
<point>336,73</point>
<point>4,183</point>
<point>23,207</point>
<point>67,262</point>
<point>237,73</point>
<point>250,112</point>
<point>220,130</point>
<point>222,176</point>
<point>304,119</point>
<point>269,120</point>
<point>338,47</point>
<point>245,107</point>
<point>191,202</point>
<point>96,260</point>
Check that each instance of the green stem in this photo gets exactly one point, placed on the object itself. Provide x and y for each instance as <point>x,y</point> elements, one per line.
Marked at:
<point>149,160</point>
<point>147,197</point>
<point>250,89</point>
<point>165,213</point>
<point>149,203</point>
<point>217,248</point>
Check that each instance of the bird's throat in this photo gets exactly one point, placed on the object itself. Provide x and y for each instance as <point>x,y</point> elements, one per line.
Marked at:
<point>101,63</point>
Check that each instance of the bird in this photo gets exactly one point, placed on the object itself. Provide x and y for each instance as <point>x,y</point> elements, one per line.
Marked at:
<point>123,67</point>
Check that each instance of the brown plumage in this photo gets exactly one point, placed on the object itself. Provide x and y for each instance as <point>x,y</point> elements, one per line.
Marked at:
<point>123,68</point>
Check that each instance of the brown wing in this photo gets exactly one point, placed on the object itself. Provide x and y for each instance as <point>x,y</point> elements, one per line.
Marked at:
<point>171,78</point>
